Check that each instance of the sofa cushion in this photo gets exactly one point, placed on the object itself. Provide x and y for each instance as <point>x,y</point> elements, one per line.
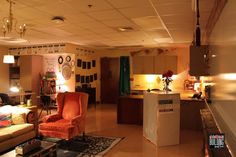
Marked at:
<point>18,118</point>
<point>5,120</point>
<point>4,136</point>
<point>16,130</point>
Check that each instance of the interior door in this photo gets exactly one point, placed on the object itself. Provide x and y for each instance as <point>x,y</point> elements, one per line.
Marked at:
<point>110,69</point>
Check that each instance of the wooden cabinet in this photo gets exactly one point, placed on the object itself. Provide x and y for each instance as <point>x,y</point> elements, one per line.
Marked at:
<point>199,61</point>
<point>130,110</point>
<point>154,64</point>
<point>190,118</point>
<point>143,65</point>
<point>163,63</point>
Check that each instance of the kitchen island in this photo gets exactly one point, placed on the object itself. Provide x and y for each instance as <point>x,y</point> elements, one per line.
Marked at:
<point>130,110</point>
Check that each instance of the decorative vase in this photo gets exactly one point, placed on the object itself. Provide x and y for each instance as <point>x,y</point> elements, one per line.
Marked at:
<point>166,85</point>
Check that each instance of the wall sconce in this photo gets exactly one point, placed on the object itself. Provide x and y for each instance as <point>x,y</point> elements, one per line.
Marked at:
<point>8,59</point>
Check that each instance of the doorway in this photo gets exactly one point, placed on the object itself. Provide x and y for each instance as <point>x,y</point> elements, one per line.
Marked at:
<point>110,69</point>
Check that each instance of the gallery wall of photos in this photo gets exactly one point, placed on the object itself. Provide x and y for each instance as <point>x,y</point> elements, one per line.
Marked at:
<point>86,70</point>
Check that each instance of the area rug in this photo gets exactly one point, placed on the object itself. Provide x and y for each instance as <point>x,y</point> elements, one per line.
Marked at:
<point>90,146</point>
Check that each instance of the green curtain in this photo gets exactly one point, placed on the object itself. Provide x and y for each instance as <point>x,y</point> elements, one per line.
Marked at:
<point>124,76</point>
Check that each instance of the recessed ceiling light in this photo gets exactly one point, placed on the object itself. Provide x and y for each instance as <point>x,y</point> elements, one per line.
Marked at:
<point>58,19</point>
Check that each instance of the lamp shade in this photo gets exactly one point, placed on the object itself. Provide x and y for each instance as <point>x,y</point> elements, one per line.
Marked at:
<point>8,59</point>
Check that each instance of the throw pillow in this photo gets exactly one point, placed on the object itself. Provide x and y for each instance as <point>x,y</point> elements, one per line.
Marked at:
<point>18,118</point>
<point>5,120</point>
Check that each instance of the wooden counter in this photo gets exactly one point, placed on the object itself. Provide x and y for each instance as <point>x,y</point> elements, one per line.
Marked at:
<point>130,110</point>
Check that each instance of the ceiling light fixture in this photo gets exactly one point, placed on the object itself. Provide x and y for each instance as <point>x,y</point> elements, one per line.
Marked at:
<point>58,19</point>
<point>10,23</point>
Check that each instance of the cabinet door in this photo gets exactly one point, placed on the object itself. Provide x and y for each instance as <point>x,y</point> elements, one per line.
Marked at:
<point>159,64</point>
<point>199,63</point>
<point>143,64</point>
<point>171,63</point>
<point>163,63</point>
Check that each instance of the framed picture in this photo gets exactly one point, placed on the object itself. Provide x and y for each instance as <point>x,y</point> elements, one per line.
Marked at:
<point>88,65</point>
<point>93,63</point>
<point>91,78</point>
<point>79,61</point>
<point>87,79</point>
<point>82,79</point>
<point>95,76</point>
<point>78,78</point>
<point>84,65</point>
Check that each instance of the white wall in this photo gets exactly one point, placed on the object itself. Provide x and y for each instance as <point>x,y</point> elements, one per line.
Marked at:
<point>223,66</point>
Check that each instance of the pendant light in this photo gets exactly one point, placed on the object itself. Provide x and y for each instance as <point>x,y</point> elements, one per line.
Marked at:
<point>198,30</point>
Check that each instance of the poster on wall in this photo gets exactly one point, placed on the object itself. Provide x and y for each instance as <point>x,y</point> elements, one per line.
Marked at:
<point>87,79</point>
<point>79,61</point>
<point>88,65</point>
<point>82,79</point>
<point>91,78</point>
<point>93,63</point>
<point>84,65</point>
<point>95,76</point>
<point>78,78</point>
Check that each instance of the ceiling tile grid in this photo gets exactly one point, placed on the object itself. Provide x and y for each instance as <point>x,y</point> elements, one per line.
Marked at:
<point>97,21</point>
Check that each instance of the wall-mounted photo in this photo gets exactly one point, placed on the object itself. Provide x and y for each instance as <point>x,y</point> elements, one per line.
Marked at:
<point>79,62</point>
<point>93,63</point>
<point>95,76</point>
<point>78,78</point>
<point>84,65</point>
<point>82,79</point>
<point>91,78</point>
<point>87,79</point>
<point>88,65</point>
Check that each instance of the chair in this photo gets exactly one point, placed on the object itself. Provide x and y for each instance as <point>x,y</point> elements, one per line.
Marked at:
<point>69,121</point>
<point>5,99</point>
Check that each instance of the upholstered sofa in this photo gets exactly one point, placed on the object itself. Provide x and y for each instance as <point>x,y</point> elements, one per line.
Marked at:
<point>19,130</point>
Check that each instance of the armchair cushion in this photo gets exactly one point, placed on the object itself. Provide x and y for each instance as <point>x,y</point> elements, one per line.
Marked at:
<point>72,106</point>
<point>51,118</point>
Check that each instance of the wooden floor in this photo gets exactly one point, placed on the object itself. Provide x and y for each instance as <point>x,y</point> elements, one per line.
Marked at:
<point>102,121</point>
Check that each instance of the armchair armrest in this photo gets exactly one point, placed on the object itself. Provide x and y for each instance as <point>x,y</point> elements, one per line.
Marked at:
<point>76,120</point>
<point>51,118</point>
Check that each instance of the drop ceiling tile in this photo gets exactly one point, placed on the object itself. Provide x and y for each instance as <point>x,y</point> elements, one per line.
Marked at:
<point>178,18</point>
<point>82,5</point>
<point>106,15</point>
<point>129,3</point>
<point>158,33</point>
<point>149,22</point>
<point>137,12</point>
<point>173,8</point>
<point>118,23</point>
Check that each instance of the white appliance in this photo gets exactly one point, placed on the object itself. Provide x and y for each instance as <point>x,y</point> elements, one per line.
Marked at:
<point>161,118</point>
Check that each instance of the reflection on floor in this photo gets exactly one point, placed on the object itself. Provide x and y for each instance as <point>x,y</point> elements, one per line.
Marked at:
<point>102,121</point>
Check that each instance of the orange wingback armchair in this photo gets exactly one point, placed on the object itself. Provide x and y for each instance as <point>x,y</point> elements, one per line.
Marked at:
<point>69,121</point>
